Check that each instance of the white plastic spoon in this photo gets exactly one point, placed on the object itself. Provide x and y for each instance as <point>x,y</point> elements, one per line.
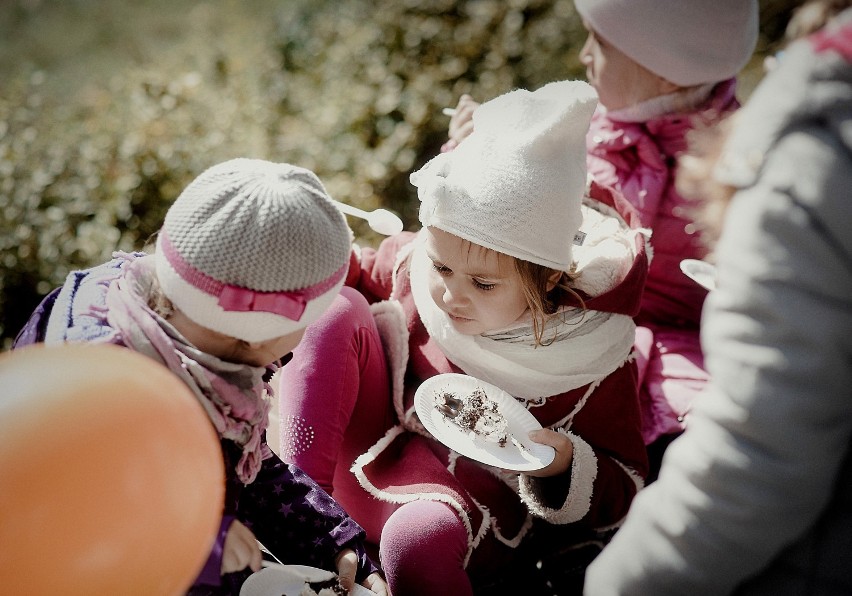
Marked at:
<point>701,272</point>
<point>381,220</point>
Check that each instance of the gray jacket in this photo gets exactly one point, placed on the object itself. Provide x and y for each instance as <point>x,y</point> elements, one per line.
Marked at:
<point>756,496</point>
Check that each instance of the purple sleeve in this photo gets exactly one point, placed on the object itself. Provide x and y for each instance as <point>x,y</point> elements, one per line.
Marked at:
<point>34,329</point>
<point>298,521</point>
<point>211,573</point>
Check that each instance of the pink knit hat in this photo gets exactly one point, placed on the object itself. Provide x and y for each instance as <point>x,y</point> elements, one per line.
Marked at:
<point>253,249</point>
<point>687,42</point>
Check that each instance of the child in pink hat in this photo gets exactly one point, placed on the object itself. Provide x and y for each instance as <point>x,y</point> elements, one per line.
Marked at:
<point>660,70</point>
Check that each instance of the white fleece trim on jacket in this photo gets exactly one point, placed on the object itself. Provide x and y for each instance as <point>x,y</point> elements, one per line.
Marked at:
<point>401,256</point>
<point>510,480</point>
<point>395,333</point>
<point>358,470</point>
<point>608,249</point>
<point>640,484</point>
<point>452,458</point>
<point>566,422</point>
<point>390,322</point>
<point>584,471</point>
<point>516,541</point>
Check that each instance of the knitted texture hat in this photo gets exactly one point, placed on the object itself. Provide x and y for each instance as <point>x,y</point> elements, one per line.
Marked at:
<point>515,185</point>
<point>687,42</point>
<point>253,249</point>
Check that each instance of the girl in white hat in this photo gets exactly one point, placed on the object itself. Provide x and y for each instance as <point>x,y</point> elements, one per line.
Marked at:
<point>522,277</point>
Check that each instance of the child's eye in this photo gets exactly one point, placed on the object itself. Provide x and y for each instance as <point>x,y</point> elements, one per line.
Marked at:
<point>483,285</point>
<point>442,269</point>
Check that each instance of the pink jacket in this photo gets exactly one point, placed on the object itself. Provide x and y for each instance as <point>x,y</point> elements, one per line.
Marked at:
<point>640,159</point>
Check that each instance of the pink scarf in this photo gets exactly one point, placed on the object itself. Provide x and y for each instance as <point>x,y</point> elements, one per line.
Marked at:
<point>232,394</point>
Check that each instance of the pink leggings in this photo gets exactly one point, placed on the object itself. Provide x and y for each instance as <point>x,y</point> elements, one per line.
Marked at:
<point>335,404</point>
<point>422,550</point>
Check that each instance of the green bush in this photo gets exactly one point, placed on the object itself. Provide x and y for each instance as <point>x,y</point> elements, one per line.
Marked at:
<point>81,180</point>
<point>352,89</point>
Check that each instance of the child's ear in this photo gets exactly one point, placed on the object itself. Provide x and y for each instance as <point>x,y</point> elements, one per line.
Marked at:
<point>553,279</point>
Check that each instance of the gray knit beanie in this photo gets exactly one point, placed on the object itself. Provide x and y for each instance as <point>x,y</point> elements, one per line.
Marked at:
<point>515,185</point>
<point>253,249</point>
<point>687,42</point>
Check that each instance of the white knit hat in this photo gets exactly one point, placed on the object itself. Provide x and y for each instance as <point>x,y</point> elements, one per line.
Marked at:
<point>687,42</point>
<point>253,249</point>
<point>515,185</point>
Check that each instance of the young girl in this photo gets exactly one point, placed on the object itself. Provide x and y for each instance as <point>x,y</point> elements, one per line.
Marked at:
<point>492,287</point>
<point>755,498</point>
<point>660,70</point>
<point>249,254</point>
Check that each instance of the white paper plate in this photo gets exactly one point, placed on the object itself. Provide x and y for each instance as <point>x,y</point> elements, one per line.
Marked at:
<point>701,272</point>
<point>288,580</point>
<point>520,422</point>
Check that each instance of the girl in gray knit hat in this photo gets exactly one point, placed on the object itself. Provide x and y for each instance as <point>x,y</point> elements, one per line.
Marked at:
<point>249,254</point>
<point>521,277</point>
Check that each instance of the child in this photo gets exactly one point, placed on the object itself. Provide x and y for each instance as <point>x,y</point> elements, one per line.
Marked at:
<point>492,287</point>
<point>755,497</point>
<point>249,254</point>
<point>660,70</point>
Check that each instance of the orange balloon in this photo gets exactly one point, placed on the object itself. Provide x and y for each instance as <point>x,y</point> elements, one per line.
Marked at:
<point>111,474</point>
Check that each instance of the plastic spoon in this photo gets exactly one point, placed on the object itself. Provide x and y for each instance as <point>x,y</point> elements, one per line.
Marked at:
<point>701,272</point>
<point>381,220</point>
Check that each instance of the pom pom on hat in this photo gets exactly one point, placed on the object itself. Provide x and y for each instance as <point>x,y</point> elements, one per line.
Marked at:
<point>253,249</point>
<point>688,42</point>
<point>515,185</point>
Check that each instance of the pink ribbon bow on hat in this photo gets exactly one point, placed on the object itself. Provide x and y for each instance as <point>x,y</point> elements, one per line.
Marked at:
<point>287,304</point>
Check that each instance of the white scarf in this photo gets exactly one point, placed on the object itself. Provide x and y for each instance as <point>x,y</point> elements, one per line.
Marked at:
<point>588,345</point>
<point>683,100</point>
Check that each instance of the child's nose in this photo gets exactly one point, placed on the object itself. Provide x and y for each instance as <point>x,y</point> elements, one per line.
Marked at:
<point>452,294</point>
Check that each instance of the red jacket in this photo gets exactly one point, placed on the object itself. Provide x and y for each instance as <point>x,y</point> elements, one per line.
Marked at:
<point>409,464</point>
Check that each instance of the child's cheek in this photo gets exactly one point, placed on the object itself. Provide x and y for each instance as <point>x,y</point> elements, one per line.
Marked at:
<point>436,288</point>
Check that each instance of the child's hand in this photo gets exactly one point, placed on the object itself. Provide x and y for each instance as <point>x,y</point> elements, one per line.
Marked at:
<point>461,124</point>
<point>240,549</point>
<point>376,584</point>
<point>564,451</point>
<point>347,567</point>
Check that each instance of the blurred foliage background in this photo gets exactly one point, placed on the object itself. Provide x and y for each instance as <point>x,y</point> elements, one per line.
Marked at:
<point>109,107</point>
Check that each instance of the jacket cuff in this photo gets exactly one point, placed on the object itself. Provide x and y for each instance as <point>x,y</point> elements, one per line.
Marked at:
<point>583,472</point>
